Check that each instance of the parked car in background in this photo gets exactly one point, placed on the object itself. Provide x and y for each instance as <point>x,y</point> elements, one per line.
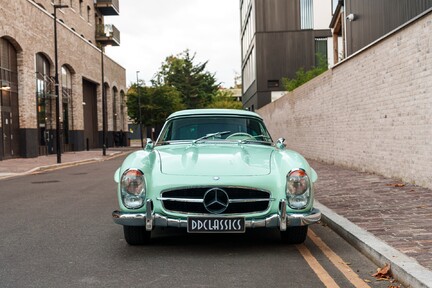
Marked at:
<point>215,171</point>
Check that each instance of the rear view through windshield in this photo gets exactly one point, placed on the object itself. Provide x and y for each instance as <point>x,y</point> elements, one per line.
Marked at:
<point>192,128</point>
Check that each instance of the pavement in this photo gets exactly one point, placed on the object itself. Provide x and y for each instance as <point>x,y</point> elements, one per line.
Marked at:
<point>388,220</point>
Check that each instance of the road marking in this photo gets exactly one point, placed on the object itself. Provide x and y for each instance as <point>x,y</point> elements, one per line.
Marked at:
<point>322,274</point>
<point>338,262</point>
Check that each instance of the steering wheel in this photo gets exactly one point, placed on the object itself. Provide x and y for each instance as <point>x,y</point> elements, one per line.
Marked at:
<point>240,136</point>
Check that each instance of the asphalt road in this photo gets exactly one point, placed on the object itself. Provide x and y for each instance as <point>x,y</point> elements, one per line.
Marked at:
<point>56,231</point>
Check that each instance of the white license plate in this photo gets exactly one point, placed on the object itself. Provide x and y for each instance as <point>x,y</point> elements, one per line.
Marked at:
<point>216,225</point>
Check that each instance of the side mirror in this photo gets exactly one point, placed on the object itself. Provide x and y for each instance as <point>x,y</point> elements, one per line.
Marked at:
<point>280,143</point>
<point>149,145</point>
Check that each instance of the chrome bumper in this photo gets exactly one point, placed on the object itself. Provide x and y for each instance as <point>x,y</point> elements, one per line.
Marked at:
<point>282,220</point>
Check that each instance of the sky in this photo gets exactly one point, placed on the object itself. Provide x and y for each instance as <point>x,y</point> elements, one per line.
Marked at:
<point>151,30</point>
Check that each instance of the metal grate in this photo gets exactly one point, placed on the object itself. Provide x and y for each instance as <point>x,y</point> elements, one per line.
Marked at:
<point>190,200</point>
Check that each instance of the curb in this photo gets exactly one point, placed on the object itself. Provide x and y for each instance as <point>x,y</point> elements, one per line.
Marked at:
<point>62,165</point>
<point>74,163</point>
<point>409,272</point>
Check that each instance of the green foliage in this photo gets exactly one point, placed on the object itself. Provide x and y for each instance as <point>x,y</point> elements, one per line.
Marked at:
<point>196,86</point>
<point>303,76</point>
<point>179,84</point>
<point>225,99</point>
<point>156,104</point>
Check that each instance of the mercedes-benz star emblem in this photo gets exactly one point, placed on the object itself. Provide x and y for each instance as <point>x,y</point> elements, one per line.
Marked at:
<point>216,200</point>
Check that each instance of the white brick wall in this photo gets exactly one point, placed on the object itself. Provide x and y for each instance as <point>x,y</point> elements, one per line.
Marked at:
<point>373,112</point>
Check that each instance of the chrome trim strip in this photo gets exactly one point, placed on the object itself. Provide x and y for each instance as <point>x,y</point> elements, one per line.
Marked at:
<point>188,200</point>
<point>191,200</point>
<point>157,220</point>
<point>215,186</point>
<point>249,200</point>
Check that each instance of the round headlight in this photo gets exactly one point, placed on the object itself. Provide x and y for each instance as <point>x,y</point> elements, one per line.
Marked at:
<point>297,182</point>
<point>297,189</point>
<point>133,188</point>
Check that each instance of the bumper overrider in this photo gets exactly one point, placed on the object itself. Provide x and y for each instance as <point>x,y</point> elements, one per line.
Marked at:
<point>282,220</point>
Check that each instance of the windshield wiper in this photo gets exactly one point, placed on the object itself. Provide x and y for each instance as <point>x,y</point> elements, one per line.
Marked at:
<point>210,135</point>
<point>265,142</point>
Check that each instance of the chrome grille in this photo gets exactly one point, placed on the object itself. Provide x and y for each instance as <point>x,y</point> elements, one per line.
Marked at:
<point>191,200</point>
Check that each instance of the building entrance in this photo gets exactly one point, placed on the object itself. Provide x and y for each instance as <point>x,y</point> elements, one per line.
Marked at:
<point>90,115</point>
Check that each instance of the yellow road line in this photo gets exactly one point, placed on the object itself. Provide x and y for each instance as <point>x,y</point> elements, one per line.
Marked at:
<point>322,274</point>
<point>338,262</point>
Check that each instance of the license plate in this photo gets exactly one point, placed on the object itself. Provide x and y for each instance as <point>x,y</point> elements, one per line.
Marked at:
<point>216,225</point>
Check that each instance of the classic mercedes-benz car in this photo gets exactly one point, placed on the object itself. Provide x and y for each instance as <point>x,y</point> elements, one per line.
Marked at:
<point>215,171</point>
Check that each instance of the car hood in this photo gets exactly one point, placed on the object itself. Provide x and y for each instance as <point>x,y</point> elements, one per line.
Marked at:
<point>215,160</point>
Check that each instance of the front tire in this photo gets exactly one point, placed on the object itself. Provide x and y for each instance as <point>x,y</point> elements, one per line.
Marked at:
<point>136,235</point>
<point>294,235</point>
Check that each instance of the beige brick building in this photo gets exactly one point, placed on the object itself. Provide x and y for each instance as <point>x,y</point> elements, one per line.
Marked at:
<point>27,75</point>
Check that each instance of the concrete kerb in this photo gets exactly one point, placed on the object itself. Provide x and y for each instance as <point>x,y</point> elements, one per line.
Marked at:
<point>62,165</point>
<point>406,269</point>
<point>74,163</point>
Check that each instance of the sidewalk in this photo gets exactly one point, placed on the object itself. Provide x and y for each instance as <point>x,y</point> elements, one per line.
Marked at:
<point>387,220</point>
<point>19,166</point>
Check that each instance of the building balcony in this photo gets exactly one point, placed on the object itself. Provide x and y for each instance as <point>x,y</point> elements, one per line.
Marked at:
<point>108,7</point>
<point>107,35</point>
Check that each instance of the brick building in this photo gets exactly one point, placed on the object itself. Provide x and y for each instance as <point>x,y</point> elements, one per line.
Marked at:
<point>371,111</point>
<point>27,76</point>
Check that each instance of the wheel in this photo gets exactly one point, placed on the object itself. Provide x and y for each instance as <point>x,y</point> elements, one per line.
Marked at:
<point>136,235</point>
<point>240,136</point>
<point>294,235</point>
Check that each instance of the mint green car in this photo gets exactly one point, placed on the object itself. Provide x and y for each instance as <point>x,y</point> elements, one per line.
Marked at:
<point>215,171</point>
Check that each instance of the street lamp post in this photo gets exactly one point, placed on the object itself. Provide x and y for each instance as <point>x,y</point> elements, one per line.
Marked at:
<point>104,106</point>
<point>139,111</point>
<point>56,79</point>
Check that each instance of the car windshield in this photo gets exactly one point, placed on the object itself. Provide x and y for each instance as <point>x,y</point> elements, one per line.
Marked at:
<point>209,128</point>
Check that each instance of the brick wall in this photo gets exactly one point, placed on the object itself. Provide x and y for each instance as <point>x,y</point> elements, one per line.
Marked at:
<point>30,27</point>
<point>372,112</point>
<point>71,16</point>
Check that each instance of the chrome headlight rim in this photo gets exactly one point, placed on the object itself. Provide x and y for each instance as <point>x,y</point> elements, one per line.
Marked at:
<point>133,188</point>
<point>298,188</point>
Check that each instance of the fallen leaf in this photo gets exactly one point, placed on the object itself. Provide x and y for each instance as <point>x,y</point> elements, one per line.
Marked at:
<point>383,273</point>
<point>396,185</point>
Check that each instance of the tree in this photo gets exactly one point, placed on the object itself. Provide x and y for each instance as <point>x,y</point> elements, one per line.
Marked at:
<point>225,99</point>
<point>156,104</point>
<point>196,86</point>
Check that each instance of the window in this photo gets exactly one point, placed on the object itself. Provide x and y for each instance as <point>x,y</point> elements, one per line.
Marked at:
<point>334,5</point>
<point>81,7</point>
<point>66,84</point>
<point>191,128</point>
<point>122,109</point>
<point>306,14</point>
<point>249,71</point>
<point>9,112</point>
<point>45,101</point>
<point>320,50</point>
<point>88,13</point>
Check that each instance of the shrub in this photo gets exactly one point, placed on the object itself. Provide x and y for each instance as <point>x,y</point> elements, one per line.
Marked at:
<point>303,76</point>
